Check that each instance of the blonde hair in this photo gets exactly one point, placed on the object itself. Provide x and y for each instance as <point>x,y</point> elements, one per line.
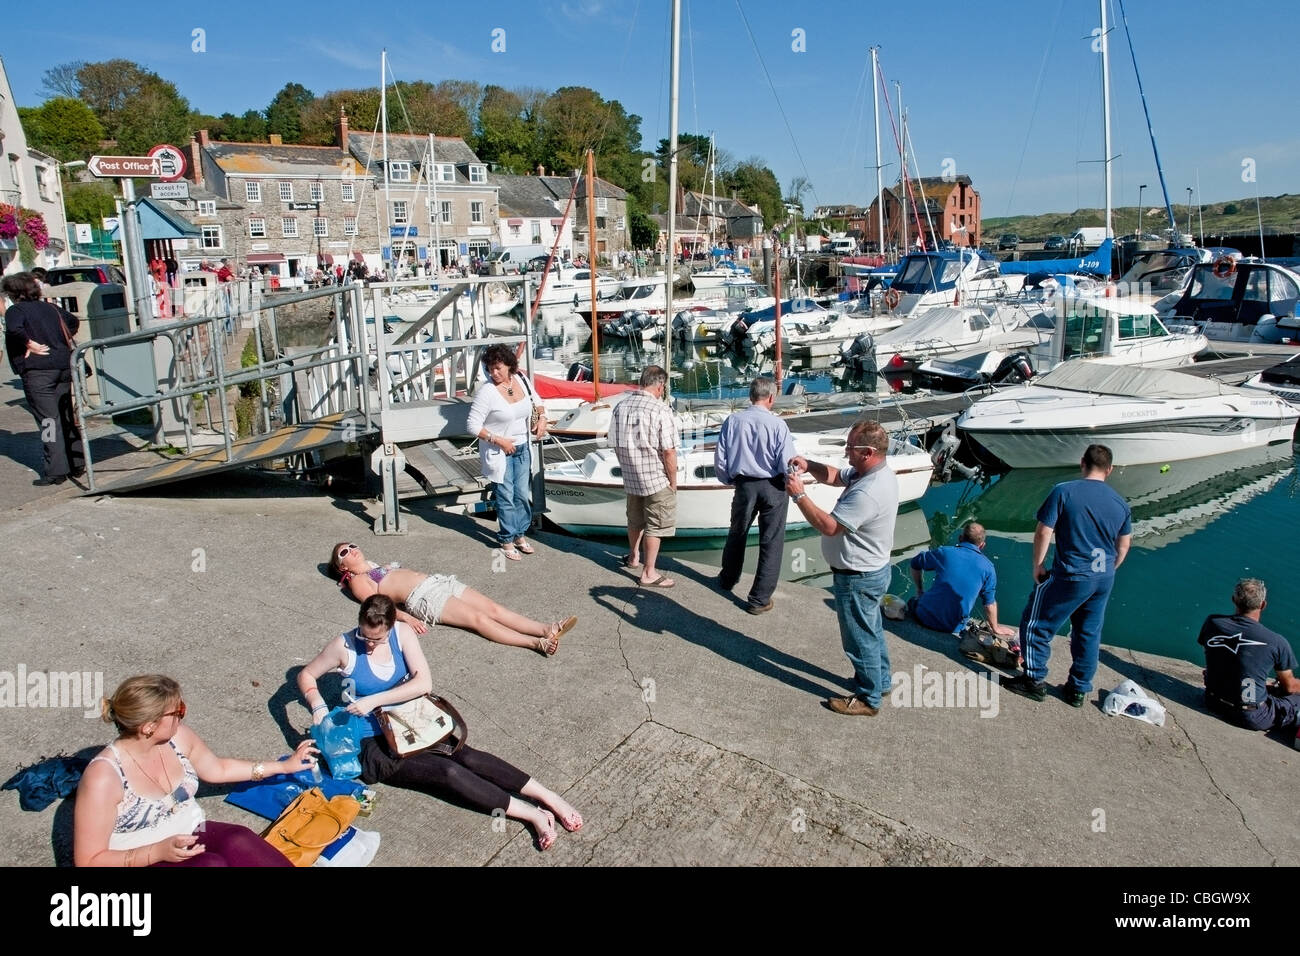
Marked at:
<point>138,701</point>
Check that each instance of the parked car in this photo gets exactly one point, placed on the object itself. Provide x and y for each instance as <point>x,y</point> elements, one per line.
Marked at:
<point>1054,242</point>
<point>1008,241</point>
<point>96,272</point>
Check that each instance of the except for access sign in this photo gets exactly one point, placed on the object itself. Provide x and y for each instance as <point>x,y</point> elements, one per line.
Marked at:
<point>125,167</point>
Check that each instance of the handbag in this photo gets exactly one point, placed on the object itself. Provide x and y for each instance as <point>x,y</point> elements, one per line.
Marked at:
<point>422,724</point>
<point>538,411</point>
<point>310,824</point>
<point>67,337</point>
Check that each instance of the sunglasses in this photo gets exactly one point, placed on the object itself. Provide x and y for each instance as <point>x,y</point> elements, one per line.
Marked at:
<point>178,713</point>
<point>346,550</point>
<point>871,448</point>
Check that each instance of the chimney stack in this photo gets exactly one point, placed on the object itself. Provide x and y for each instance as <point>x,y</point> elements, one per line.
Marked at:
<point>341,130</point>
<point>276,140</point>
<point>195,173</point>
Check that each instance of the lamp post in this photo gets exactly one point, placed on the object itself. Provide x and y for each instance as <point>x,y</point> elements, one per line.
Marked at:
<point>1140,188</point>
<point>1189,210</point>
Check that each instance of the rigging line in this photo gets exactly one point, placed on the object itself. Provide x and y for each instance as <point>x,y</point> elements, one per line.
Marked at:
<point>690,46</point>
<point>780,108</point>
<point>1033,110</point>
<point>622,68</point>
<point>902,172</point>
<point>1160,170</point>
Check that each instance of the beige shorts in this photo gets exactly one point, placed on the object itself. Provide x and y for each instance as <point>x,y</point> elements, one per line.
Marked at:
<point>431,595</point>
<point>655,514</point>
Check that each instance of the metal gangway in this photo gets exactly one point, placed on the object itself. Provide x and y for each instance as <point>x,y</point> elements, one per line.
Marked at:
<point>387,373</point>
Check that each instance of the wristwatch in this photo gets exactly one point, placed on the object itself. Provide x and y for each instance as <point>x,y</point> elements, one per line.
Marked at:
<point>801,495</point>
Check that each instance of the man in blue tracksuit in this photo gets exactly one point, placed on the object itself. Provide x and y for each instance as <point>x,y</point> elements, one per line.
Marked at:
<point>1093,526</point>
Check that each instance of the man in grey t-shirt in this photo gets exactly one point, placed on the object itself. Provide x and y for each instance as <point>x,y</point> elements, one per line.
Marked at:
<point>857,538</point>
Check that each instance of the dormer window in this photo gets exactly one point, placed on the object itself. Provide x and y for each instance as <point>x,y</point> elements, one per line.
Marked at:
<point>446,172</point>
<point>399,172</point>
<point>478,174</point>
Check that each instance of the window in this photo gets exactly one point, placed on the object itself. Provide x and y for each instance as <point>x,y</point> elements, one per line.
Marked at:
<point>446,173</point>
<point>399,172</point>
<point>207,207</point>
<point>537,231</point>
<point>41,188</point>
<point>622,224</point>
<point>252,192</point>
<point>445,212</point>
<point>401,215</point>
<point>514,232</point>
<point>1257,286</point>
<point>256,227</point>
<point>286,192</point>
<point>478,174</point>
<point>347,192</point>
<point>1134,326</point>
<point>289,227</point>
<point>212,237</point>
<point>600,222</point>
<point>349,225</point>
<point>476,213</point>
<point>317,192</point>
<point>602,205</point>
<point>320,227</point>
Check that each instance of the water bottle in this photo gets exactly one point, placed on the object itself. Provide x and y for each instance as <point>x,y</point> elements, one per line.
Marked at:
<point>315,773</point>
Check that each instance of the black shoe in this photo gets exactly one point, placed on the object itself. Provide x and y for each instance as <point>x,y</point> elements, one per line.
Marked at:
<point>723,585</point>
<point>1075,698</point>
<point>760,608</point>
<point>1026,686</point>
<point>53,480</point>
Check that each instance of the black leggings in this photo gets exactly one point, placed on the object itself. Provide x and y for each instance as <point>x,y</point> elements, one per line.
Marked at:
<point>475,777</point>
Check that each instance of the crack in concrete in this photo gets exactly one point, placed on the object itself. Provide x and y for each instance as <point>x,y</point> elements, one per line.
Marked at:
<point>1146,677</point>
<point>618,631</point>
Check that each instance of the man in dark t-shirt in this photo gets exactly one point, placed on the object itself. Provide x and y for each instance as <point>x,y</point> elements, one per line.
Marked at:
<point>1239,654</point>
<point>1092,525</point>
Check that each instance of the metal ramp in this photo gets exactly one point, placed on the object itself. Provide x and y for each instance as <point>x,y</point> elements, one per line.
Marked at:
<point>339,429</point>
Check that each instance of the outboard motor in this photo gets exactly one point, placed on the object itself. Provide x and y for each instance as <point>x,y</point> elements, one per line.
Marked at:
<point>682,322</point>
<point>943,453</point>
<point>860,354</point>
<point>1015,369</point>
<point>735,334</point>
<point>579,372</point>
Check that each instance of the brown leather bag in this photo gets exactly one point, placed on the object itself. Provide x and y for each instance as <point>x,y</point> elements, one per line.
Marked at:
<point>310,824</point>
<point>425,723</point>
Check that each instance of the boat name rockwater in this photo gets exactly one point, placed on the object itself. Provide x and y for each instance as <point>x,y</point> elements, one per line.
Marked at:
<point>1148,413</point>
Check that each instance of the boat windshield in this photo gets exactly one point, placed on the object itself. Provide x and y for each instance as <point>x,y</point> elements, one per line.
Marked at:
<point>1140,327</point>
<point>922,274</point>
<point>1164,270</point>
<point>1209,287</point>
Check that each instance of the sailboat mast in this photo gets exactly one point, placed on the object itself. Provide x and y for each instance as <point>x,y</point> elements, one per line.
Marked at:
<point>902,166</point>
<point>591,268</point>
<point>383,138</point>
<point>675,63</point>
<point>880,193</point>
<point>436,210</point>
<point>1105,106</point>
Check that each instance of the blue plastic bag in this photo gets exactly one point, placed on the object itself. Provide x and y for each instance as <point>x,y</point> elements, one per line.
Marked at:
<point>339,738</point>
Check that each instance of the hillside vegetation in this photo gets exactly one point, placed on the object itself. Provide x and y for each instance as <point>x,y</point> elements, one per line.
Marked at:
<point>1280,214</point>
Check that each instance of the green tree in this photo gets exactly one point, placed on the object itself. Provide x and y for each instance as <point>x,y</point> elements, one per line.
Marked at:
<point>284,114</point>
<point>249,128</point>
<point>756,185</point>
<point>107,86</point>
<point>88,202</point>
<point>156,113</point>
<point>508,132</point>
<point>645,233</point>
<point>575,118</point>
<point>64,128</point>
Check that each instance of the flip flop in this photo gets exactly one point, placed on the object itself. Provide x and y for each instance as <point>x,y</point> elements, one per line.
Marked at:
<point>524,546</point>
<point>510,552</point>
<point>659,582</point>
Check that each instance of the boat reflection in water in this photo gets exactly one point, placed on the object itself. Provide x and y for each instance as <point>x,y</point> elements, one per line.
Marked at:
<point>1168,501</point>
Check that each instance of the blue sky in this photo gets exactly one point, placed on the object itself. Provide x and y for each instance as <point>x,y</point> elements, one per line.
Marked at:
<point>1009,90</point>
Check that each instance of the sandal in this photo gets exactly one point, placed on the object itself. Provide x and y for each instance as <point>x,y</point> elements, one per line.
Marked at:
<point>549,644</point>
<point>509,551</point>
<point>659,582</point>
<point>523,545</point>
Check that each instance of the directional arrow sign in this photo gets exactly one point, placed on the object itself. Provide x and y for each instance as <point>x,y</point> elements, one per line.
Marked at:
<point>125,167</point>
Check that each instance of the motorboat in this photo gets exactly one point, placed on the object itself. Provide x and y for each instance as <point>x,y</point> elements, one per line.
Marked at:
<point>566,285</point>
<point>1283,380</point>
<point>948,330</point>
<point>709,280</point>
<point>1244,300</point>
<point>1143,415</point>
<point>643,294</point>
<point>1102,329</point>
<point>586,497</point>
<point>798,314</point>
<point>1157,275</point>
<point>942,277</point>
<point>837,329</point>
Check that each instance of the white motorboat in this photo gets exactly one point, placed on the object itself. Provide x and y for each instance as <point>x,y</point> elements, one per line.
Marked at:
<point>1242,300</point>
<point>644,294</point>
<point>838,328</point>
<point>587,497</point>
<point>1282,380</point>
<point>1096,328</point>
<point>572,287</point>
<point>927,280</point>
<point>1143,415</point>
<point>709,280</point>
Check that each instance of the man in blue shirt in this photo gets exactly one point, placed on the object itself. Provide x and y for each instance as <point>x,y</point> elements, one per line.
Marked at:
<point>1093,526</point>
<point>962,574</point>
<point>755,449</point>
<point>1239,653</point>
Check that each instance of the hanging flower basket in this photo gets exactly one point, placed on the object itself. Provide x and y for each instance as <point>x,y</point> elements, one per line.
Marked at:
<point>30,223</point>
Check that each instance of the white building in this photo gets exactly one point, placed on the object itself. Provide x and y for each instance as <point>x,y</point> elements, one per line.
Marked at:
<point>531,212</point>
<point>29,179</point>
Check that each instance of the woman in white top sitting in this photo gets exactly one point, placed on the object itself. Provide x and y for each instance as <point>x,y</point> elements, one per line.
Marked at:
<point>135,804</point>
<point>500,417</point>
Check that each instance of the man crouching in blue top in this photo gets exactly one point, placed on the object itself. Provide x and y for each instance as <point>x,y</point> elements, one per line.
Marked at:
<point>1093,526</point>
<point>1239,653</point>
<point>962,574</point>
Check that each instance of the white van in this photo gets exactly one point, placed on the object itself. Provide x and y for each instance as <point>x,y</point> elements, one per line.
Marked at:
<point>842,247</point>
<point>511,259</point>
<point>1088,237</point>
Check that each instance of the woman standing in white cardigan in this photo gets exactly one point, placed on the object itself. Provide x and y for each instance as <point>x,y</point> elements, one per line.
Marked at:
<point>500,417</point>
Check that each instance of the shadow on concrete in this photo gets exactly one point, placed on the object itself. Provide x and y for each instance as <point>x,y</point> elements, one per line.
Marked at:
<point>667,617</point>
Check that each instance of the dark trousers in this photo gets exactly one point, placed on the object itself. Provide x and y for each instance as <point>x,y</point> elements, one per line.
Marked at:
<point>49,398</point>
<point>475,777</point>
<point>767,498</point>
<point>1083,602</point>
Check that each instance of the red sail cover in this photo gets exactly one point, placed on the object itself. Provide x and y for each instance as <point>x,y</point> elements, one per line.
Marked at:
<point>548,387</point>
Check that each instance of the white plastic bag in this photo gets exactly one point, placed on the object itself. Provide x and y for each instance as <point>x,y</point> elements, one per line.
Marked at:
<point>1132,701</point>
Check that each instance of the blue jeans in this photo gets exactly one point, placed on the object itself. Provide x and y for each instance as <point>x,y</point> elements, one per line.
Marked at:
<point>1083,601</point>
<point>862,632</point>
<point>514,495</point>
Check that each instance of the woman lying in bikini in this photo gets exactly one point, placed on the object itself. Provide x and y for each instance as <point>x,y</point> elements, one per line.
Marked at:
<point>441,599</point>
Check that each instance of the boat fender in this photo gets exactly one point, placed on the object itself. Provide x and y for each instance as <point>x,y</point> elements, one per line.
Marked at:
<point>1224,267</point>
<point>892,298</point>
